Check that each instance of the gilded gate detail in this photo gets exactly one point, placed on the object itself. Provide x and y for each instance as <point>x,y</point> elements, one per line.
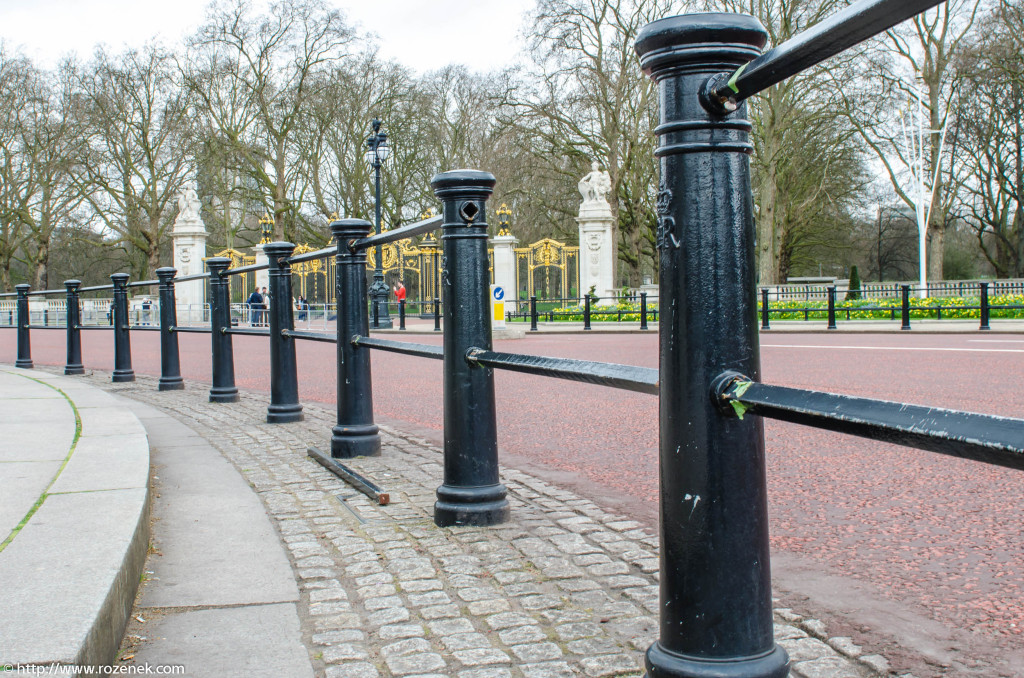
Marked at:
<point>548,269</point>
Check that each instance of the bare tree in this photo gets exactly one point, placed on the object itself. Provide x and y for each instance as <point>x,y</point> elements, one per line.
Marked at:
<point>15,76</point>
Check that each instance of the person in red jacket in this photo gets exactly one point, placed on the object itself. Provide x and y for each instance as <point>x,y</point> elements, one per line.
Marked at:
<point>399,292</point>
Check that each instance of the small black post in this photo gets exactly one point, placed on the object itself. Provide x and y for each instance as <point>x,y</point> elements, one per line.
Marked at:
<point>401,314</point>
<point>376,313</point>
<point>284,382</point>
<point>586,312</point>
<point>716,599</point>
<point>984,307</point>
<point>764,309</point>
<point>905,309</point>
<point>437,314</point>
<point>643,310</point>
<point>832,308</point>
<point>24,343</point>
<point>122,337</point>
<point>355,435</point>
<point>170,365</point>
<point>471,493</point>
<point>533,314</point>
<point>74,322</point>
<point>223,389</point>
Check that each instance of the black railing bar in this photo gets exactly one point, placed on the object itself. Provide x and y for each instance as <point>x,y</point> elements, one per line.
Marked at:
<point>846,28</point>
<point>95,327</point>
<point>143,283</point>
<point>39,293</point>
<point>194,276</point>
<point>245,330</point>
<point>312,336</point>
<point>44,327</point>
<point>628,377</point>
<point>980,437</point>
<point>310,256</point>
<point>145,328</point>
<point>418,228</point>
<point>404,347</point>
<point>202,330</point>
<point>8,294</point>
<point>246,269</point>
<point>96,288</point>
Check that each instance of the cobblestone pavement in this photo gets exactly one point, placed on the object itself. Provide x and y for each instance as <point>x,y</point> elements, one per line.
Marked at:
<point>566,588</point>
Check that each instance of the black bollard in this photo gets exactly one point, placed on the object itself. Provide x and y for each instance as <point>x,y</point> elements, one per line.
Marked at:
<point>643,310</point>
<point>764,309</point>
<point>24,340</point>
<point>74,323</point>
<point>716,604</point>
<point>355,435</point>
<point>223,356</point>
<point>984,307</point>
<point>832,308</point>
<point>401,314</point>
<point>586,312</point>
<point>471,493</point>
<point>437,314</point>
<point>533,314</point>
<point>284,382</point>
<point>905,308</point>
<point>122,337</point>
<point>170,366</point>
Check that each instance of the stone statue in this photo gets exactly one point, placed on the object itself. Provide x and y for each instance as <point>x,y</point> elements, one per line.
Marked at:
<point>188,203</point>
<point>595,186</point>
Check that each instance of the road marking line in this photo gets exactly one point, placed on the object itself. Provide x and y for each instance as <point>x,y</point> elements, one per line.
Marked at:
<point>900,348</point>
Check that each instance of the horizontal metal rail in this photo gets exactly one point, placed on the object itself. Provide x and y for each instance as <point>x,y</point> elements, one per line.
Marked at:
<point>39,293</point>
<point>312,336</point>
<point>245,330</point>
<point>44,327</point>
<point>246,269</point>
<point>198,330</point>
<point>96,288</point>
<point>143,283</point>
<point>95,327</point>
<point>404,347</point>
<point>628,377</point>
<point>310,256</point>
<point>846,28</point>
<point>981,437</point>
<point>194,276</point>
<point>418,228</point>
<point>144,328</point>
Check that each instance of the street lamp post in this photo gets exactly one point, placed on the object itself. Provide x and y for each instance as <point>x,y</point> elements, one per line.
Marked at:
<point>377,151</point>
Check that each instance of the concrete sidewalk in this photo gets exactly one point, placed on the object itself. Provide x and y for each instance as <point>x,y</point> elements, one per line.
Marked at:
<point>566,588</point>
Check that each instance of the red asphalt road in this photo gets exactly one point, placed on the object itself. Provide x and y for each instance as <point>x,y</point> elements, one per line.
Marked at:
<point>939,535</point>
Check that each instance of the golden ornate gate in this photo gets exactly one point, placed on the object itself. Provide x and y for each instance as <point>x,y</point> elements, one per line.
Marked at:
<point>241,285</point>
<point>548,269</point>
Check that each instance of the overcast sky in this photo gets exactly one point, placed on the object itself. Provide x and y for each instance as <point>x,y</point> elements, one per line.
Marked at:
<point>423,34</point>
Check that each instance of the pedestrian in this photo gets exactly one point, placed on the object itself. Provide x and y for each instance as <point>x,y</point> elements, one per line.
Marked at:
<point>147,306</point>
<point>303,307</point>
<point>266,307</point>
<point>399,292</point>
<point>255,303</point>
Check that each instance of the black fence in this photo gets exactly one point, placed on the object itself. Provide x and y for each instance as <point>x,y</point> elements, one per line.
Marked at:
<point>716,616</point>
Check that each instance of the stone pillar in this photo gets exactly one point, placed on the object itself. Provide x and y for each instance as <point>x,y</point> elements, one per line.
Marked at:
<point>263,275</point>
<point>505,264</point>
<point>597,267</point>
<point>189,241</point>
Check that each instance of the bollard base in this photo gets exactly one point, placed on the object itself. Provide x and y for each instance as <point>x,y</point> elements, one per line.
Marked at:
<point>471,505</point>
<point>121,376</point>
<point>662,663</point>
<point>284,414</point>
<point>222,394</point>
<point>171,384</point>
<point>74,369</point>
<point>21,362</point>
<point>348,442</point>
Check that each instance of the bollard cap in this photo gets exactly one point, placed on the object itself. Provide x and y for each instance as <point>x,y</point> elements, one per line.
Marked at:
<point>218,265</point>
<point>22,288</point>
<point>278,249</point>
<point>119,278</point>
<point>350,228</point>
<point>717,38</point>
<point>463,183</point>
<point>72,284</point>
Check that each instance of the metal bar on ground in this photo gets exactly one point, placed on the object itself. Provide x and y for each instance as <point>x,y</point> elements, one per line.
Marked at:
<point>981,437</point>
<point>418,228</point>
<point>351,477</point>
<point>628,377</point>
<point>405,347</point>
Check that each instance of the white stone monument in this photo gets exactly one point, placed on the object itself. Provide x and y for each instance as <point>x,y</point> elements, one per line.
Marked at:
<point>188,237</point>
<point>597,267</point>
<point>504,244</point>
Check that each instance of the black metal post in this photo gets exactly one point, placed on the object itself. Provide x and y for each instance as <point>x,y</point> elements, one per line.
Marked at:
<point>401,314</point>
<point>437,314</point>
<point>223,389</point>
<point>586,312</point>
<point>379,288</point>
<point>74,323</point>
<point>716,604</point>
<point>905,308</point>
<point>832,308</point>
<point>122,337</point>
<point>24,341</point>
<point>471,493</point>
<point>284,382</point>
<point>533,314</point>
<point>170,365</point>
<point>355,435</point>
<point>984,307</point>
<point>643,310</point>
<point>764,309</point>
